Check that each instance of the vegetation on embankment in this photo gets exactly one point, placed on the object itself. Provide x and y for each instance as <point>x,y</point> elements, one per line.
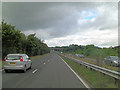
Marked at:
<point>95,62</point>
<point>14,41</point>
<point>91,51</point>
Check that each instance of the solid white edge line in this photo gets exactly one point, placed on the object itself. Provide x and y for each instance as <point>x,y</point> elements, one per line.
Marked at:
<point>76,74</point>
<point>34,71</point>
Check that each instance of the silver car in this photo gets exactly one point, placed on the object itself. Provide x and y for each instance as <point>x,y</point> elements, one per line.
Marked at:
<point>77,55</point>
<point>17,62</point>
<point>112,60</point>
<point>81,56</point>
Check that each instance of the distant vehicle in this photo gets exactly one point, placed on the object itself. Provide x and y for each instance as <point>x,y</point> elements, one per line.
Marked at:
<point>112,60</point>
<point>81,56</point>
<point>17,62</point>
<point>77,55</point>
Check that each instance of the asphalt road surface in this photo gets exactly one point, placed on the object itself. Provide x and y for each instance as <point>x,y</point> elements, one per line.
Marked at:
<point>47,72</point>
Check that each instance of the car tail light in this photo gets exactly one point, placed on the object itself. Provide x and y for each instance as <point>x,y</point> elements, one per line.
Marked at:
<point>5,59</point>
<point>21,59</point>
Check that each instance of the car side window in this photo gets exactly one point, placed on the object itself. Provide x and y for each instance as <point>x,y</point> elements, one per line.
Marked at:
<point>24,57</point>
<point>108,58</point>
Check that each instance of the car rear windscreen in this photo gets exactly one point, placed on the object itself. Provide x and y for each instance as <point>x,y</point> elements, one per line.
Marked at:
<point>13,57</point>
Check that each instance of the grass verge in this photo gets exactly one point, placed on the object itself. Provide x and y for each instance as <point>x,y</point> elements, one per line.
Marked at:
<point>91,61</point>
<point>38,56</point>
<point>94,78</point>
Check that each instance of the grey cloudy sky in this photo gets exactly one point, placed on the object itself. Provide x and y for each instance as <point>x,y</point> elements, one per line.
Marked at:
<point>66,23</point>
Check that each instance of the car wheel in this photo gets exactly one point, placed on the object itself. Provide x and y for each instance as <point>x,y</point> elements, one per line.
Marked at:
<point>24,69</point>
<point>111,64</point>
<point>30,66</point>
<point>6,71</point>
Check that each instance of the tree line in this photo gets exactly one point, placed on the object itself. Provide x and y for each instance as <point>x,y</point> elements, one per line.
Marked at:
<point>91,51</point>
<point>14,41</point>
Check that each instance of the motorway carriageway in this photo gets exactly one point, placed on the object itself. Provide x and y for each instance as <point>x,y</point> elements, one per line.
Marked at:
<point>47,72</point>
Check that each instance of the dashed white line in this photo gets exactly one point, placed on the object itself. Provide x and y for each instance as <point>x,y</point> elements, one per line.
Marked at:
<point>34,70</point>
<point>75,74</point>
<point>44,63</point>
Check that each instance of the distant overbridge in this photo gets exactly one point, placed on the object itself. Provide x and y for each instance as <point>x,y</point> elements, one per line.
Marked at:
<point>57,49</point>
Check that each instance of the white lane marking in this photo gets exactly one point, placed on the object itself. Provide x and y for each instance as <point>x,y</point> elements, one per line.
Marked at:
<point>75,74</point>
<point>44,63</point>
<point>48,60</point>
<point>34,70</point>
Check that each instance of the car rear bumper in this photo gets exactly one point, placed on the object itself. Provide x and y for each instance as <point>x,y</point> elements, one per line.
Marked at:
<point>21,67</point>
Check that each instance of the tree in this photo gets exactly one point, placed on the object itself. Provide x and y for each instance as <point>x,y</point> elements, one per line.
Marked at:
<point>14,41</point>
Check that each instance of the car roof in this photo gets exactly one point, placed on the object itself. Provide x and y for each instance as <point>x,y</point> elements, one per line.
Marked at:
<point>113,56</point>
<point>17,54</point>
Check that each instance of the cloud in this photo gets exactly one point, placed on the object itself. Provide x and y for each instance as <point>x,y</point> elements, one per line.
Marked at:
<point>40,33</point>
<point>100,38</point>
<point>55,22</point>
